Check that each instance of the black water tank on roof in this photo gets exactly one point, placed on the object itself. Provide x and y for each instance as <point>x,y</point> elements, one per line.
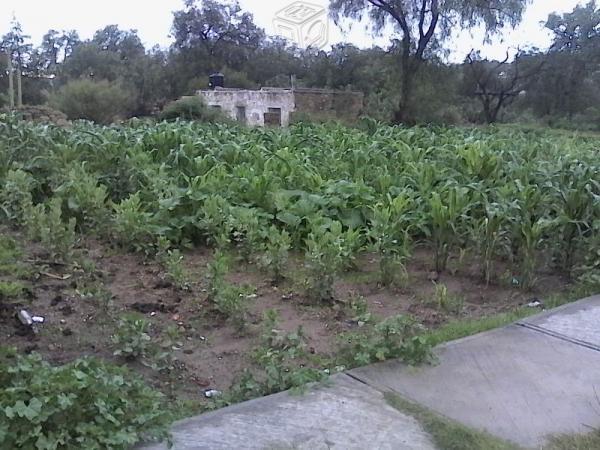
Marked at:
<point>216,79</point>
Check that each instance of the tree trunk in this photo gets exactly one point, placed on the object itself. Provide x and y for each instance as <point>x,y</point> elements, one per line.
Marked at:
<point>19,88</point>
<point>403,114</point>
<point>11,88</point>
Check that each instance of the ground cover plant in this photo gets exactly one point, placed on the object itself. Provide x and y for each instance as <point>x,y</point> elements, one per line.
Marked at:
<point>220,263</point>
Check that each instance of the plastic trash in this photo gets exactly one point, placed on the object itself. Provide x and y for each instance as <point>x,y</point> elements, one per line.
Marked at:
<point>212,393</point>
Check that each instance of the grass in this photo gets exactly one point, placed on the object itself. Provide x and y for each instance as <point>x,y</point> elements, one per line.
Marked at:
<point>587,441</point>
<point>466,327</point>
<point>10,289</point>
<point>447,434</point>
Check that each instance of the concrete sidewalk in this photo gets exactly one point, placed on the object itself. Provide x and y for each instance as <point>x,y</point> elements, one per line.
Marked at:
<point>522,383</point>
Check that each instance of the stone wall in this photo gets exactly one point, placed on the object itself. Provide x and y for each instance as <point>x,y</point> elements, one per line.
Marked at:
<point>345,106</point>
<point>254,104</point>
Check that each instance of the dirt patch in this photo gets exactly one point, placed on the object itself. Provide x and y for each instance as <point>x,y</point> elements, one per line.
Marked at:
<point>82,308</point>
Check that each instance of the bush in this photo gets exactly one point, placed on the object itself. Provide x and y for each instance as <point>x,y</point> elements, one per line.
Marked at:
<point>191,108</point>
<point>99,101</point>
<point>84,404</point>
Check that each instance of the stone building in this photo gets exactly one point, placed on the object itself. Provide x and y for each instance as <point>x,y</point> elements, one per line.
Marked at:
<point>279,106</point>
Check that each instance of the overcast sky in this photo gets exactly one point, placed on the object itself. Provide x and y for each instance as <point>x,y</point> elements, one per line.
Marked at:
<point>152,19</point>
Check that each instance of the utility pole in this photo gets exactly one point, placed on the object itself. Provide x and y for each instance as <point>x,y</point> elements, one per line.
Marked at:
<point>11,89</point>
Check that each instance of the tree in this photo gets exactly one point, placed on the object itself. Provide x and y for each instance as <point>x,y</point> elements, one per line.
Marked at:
<point>424,24</point>
<point>14,44</point>
<point>496,84</point>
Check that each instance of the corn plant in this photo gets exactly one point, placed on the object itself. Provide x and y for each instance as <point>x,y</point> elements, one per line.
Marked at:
<point>490,237</point>
<point>447,211</point>
<point>390,234</point>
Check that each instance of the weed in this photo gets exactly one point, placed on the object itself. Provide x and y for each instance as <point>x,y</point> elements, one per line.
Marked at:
<point>10,289</point>
<point>83,404</point>
<point>133,341</point>
<point>15,195</point>
<point>229,300</point>
<point>172,261</point>
<point>323,260</point>
<point>45,224</point>
<point>282,359</point>
<point>359,310</point>
<point>276,252</point>
<point>133,226</point>
<point>447,302</point>
<point>395,337</point>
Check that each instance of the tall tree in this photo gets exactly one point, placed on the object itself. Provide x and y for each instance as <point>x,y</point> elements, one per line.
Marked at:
<point>425,24</point>
<point>15,44</point>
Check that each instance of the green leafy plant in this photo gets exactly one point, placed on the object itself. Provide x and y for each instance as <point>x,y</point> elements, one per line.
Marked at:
<point>323,258</point>
<point>44,222</point>
<point>84,197</point>
<point>446,209</point>
<point>83,404</point>
<point>276,252</point>
<point>133,226</point>
<point>390,234</point>
<point>132,340</point>
<point>395,337</point>
<point>172,261</point>
<point>282,358</point>
<point>15,195</point>
<point>228,300</point>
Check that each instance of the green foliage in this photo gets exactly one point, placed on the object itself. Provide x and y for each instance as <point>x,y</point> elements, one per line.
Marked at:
<point>447,434</point>
<point>83,404</point>
<point>44,223</point>
<point>99,101</point>
<point>282,359</point>
<point>276,252</point>
<point>447,302</point>
<point>85,199</point>
<point>395,337</point>
<point>191,108</point>
<point>390,232</point>
<point>229,300</point>
<point>133,227</point>
<point>172,261</point>
<point>326,250</point>
<point>10,289</point>
<point>15,196</point>
<point>132,340</point>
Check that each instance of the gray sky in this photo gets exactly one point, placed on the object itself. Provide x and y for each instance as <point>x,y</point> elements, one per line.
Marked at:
<point>152,19</point>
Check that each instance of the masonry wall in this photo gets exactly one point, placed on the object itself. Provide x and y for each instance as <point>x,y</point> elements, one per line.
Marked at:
<point>345,106</point>
<point>256,103</point>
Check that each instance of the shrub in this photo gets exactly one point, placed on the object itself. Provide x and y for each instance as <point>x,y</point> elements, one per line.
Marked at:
<point>191,108</point>
<point>84,404</point>
<point>99,101</point>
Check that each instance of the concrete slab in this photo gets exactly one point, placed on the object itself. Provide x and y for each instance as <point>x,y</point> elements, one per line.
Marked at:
<point>578,322</point>
<point>345,415</point>
<point>516,383</point>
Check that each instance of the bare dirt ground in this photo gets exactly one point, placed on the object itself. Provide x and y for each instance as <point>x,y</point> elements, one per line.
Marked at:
<point>81,308</point>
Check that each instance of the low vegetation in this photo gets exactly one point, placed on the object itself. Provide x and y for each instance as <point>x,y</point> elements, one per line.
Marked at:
<point>222,263</point>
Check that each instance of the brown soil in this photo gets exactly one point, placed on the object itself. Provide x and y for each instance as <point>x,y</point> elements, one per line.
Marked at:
<point>212,353</point>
